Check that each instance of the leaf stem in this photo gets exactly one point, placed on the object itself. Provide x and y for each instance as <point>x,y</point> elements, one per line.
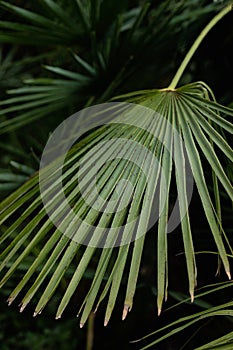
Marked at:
<point>196,44</point>
<point>90,332</point>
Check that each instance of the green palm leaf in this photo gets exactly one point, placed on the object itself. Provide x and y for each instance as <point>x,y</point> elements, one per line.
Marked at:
<point>189,110</point>
<point>209,312</point>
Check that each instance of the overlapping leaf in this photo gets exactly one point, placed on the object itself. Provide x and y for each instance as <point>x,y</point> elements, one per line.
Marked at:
<point>209,312</point>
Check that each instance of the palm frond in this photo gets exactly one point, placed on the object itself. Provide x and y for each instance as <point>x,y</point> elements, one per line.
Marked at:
<point>40,98</point>
<point>209,312</point>
<point>68,24</point>
<point>181,147</point>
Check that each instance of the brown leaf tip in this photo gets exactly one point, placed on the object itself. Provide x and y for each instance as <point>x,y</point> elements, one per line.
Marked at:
<point>10,301</point>
<point>22,307</point>
<point>125,311</point>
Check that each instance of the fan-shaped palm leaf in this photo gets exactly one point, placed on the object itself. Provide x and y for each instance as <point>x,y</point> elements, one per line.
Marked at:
<point>157,132</point>
<point>195,119</point>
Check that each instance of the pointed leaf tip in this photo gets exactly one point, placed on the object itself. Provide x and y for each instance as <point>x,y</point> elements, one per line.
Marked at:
<point>229,275</point>
<point>125,312</point>
<point>22,307</point>
<point>57,317</point>
<point>35,314</point>
<point>9,301</point>
<point>159,311</point>
<point>105,322</point>
<point>81,325</point>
